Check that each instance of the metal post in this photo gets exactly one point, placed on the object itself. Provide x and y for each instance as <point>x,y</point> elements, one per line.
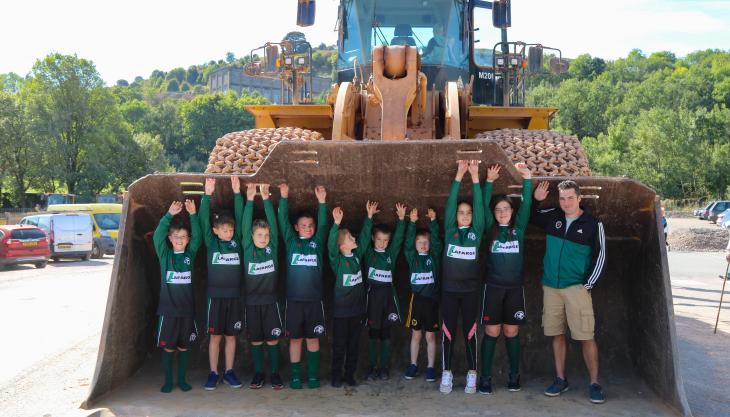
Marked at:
<point>724,280</point>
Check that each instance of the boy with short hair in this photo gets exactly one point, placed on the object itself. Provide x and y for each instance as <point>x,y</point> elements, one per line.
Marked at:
<point>345,255</point>
<point>422,250</point>
<point>176,330</point>
<point>382,302</point>
<point>261,269</point>
<point>224,281</point>
<point>304,316</point>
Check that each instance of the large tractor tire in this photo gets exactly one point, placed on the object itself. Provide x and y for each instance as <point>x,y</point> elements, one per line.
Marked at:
<point>244,152</point>
<point>546,153</point>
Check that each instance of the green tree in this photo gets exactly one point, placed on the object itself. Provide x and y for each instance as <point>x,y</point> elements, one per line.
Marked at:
<point>172,86</point>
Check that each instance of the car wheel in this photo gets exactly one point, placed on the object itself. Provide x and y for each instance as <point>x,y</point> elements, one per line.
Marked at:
<point>56,259</point>
<point>96,252</point>
<point>40,265</point>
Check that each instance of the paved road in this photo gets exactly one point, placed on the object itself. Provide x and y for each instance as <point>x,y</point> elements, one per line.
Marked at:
<point>56,316</point>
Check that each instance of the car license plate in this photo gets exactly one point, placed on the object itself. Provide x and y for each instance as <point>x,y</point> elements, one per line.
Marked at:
<point>64,245</point>
<point>30,243</point>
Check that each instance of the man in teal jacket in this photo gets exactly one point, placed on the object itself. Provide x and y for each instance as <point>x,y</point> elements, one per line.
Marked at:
<point>575,258</point>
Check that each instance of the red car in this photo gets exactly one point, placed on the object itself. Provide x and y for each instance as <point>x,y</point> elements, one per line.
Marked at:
<point>23,244</point>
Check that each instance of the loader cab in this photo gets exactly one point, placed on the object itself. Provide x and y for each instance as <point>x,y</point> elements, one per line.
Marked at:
<point>450,42</point>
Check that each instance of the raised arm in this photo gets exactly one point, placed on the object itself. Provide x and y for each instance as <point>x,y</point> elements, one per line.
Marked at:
<point>451,202</point>
<point>237,207</point>
<point>523,214</point>
<point>204,216</point>
<point>397,242</point>
<point>287,232</point>
<point>159,238</point>
<point>477,222</point>
<point>364,239</point>
<point>433,227</point>
<point>541,217</point>
<point>409,245</point>
<point>332,249</point>
<point>247,221</point>
<point>265,191</point>
<point>195,236</point>
<point>598,255</point>
<point>492,175</point>
<point>322,223</point>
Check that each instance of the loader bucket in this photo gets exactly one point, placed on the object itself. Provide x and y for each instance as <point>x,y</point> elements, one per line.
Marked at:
<point>633,302</point>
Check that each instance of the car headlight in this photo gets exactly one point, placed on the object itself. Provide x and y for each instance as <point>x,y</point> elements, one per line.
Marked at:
<point>103,233</point>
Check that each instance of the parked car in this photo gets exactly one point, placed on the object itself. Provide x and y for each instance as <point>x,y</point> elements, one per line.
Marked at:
<point>70,235</point>
<point>106,224</point>
<point>722,216</point>
<point>726,222</point>
<point>698,212</point>
<point>716,208</point>
<point>23,244</point>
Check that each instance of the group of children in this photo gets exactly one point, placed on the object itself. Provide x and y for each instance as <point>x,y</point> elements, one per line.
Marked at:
<point>243,264</point>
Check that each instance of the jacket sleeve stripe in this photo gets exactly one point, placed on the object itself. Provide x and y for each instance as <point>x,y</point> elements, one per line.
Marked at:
<point>598,269</point>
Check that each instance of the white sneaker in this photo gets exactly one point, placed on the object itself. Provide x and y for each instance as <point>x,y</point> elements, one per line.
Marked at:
<point>471,382</point>
<point>446,382</point>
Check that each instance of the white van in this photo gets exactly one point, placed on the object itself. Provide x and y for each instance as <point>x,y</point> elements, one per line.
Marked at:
<point>70,235</point>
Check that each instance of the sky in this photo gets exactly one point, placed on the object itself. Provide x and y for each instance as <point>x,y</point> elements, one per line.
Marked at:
<point>133,37</point>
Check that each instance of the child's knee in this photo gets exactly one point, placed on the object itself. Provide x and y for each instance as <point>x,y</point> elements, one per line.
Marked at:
<point>272,342</point>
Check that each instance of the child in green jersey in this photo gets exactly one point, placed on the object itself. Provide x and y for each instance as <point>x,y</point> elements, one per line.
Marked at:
<point>261,270</point>
<point>224,281</point>
<point>345,255</point>
<point>422,249</point>
<point>304,317</point>
<point>176,330</point>
<point>503,305</point>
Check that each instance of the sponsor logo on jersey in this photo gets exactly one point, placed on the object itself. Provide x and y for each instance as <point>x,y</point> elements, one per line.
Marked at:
<point>350,280</point>
<point>380,275</point>
<point>511,246</point>
<point>237,325</point>
<point>319,329</point>
<point>558,224</point>
<point>276,332</point>
<point>520,315</point>
<point>392,317</point>
<point>261,268</point>
<point>461,252</point>
<point>298,259</point>
<point>173,277</point>
<point>422,278</point>
<point>225,259</point>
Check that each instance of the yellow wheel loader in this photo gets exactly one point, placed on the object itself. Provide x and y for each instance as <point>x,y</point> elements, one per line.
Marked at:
<point>420,85</point>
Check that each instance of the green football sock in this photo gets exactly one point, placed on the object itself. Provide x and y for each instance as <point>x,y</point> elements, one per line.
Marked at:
<point>274,358</point>
<point>296,375</point>
<point>257,353</point>
<point>385,353</point>
<point>488,345</point>
<point>167,368</point>
<point>513,352</point>
<point>313,369</point>
<point>182,370</point>
<point>373,351</point>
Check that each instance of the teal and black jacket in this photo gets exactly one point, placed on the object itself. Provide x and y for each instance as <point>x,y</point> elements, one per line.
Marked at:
<point>349,297</point>
<point>424,268</point>
<point>224,257</point>
<point>573,256</point>
<point>261,265</point>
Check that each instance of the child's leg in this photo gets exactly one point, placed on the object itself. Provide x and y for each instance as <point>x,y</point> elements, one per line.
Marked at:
<point>431,348</point>
<point>230,351</point>
<point>273,347</point>
<point>385,347</point>
<point>416,336</point>
<point>353,341</point>
<point>257,355</point>
<point>469,306</point>
<point>512,342</point>
<point>167,355</point>
<point>339,346</point>
<point>214,347</point>
<point>313,362</point>
<point>295,359</point>
<point>373,346</point>
<point>489,342</point>
<point>449,314</point>
<point>183,357</point>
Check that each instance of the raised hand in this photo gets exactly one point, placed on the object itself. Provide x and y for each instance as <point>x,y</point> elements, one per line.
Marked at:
<point>209,186</point>
<point>493,173</point>
<point>414,215</point>
<point>284,190</point>
<point>372,208</point>
<point>473,168</point>
<point>190,206</point>
<point>400,210</point>
<point>235,184</point>
<point>522,168</point>
<point>541,192</point>
<point>321,194</point>
<point>175,208</point>
<point>250,191</point>
<point>461,167</point>
<point>264,190</point>
<point>431,214</point>
<point>337,214</point>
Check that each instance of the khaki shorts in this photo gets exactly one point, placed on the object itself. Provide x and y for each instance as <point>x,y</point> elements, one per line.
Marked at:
<point>576,303</point>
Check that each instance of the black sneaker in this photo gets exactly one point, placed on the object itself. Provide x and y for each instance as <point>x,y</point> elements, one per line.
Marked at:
<point>257,381</point>
<point>385,374</point>
<point>485,385</point>
<point>336,381</point>
<point>514,383</point>
<point>558,387</point>
<point>350,381</point>
<point>596,393</point>
<point>276,382</point>
<point>373,374</point>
